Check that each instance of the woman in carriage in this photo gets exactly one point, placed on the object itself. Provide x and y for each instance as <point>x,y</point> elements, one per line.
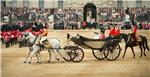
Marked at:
<point>102,33</point>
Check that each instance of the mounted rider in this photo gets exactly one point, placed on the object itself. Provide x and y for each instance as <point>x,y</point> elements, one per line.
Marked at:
<point>134,33</point>
<point>42,37</point>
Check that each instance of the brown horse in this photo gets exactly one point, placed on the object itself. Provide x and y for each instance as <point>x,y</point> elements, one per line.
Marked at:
<point>142,43</point>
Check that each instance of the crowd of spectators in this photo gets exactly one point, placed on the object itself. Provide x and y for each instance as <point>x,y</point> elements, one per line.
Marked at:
<point>72,18</point>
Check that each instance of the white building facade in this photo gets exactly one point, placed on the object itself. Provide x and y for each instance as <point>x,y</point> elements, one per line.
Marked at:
<point>74,3</point>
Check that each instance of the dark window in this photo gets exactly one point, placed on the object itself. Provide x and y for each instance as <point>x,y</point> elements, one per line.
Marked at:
<point>3,3</point>
<point>60,3</point>
<point>41,3</point>
<point>26,3</point>
<point>138,3</point>
<point>14,3</point>
<point>119,3</point>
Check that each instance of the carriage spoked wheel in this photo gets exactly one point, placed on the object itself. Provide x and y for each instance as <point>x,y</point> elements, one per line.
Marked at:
<point>67,55</point>
<point>77,55</point>
<point>98,54</point>
<point>112,52</point>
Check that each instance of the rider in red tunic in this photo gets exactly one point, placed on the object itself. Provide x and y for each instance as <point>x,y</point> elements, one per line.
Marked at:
<point>29,30</point>
<point>135,30</point>
<point>117,31</point>
<point>134,33</point>
<point>112,31</point>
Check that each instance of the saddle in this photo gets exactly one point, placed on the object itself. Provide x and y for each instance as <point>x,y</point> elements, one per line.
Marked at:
<point>46,44</point>
<point>136,40</point>
<point>139,39</point>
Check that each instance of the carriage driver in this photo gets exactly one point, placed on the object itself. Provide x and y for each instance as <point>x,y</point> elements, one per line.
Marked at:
<point>43,36</point>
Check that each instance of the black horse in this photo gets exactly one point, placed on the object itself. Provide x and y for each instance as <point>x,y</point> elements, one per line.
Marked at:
<point>142,43</point>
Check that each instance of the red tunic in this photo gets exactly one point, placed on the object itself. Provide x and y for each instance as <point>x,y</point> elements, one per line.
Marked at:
<point>29,30</point>
<point>117,32</point>
<point>112,32</point>
<point>45,32</point>
<point>135,30</point>
<point>19,34</point>
<point>35,33</point>
<point>6,37</point>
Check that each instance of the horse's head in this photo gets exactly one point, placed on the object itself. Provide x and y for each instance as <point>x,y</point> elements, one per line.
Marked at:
<point>71,38</point>
<point>25,36</point>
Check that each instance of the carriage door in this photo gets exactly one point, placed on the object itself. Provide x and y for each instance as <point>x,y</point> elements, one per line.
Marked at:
<point>89,12</point>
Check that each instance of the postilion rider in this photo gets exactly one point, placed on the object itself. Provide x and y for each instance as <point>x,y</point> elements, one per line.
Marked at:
<point>134,34</point>
<point>41,40</point>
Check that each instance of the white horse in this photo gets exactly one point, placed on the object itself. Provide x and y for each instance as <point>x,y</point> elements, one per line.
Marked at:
<point>35,49</point>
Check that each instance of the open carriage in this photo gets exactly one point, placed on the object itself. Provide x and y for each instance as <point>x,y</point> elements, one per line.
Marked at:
<point>101,49</point>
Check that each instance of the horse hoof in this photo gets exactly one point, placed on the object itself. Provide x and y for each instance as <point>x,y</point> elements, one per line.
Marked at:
<point>39,62</point>
<point>57,59</point>
<point>24,61</point>
<point>29,62</point>
<point>48,61</point>
<point>144,54</point>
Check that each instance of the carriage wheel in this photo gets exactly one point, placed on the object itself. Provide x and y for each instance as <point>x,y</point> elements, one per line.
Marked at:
<point>112,53</point>
<point>77,55</point>
<point>67,55</point>
<point>98,54</point>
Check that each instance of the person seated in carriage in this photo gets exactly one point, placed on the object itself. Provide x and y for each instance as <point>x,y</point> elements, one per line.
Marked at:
<point>117,31</point>
<point>96,35</point>
<point>102,33</point>
<point>99,35</point>
<point>42,37</point>
<point>114,31</point>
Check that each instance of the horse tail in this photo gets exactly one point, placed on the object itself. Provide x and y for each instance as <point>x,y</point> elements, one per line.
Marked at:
<point>146,43</point>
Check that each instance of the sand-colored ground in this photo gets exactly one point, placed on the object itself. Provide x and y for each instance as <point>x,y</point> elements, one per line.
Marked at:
<point>12,62</point>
